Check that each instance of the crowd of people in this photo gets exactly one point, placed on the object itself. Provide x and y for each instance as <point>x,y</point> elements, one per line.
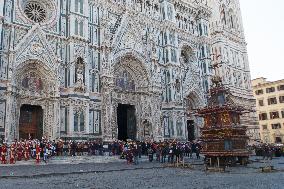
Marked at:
<point>44,149</point>
<point>28,149</point>
<point>167,151</point>
<point>267,151</point>
<point>131,151</point>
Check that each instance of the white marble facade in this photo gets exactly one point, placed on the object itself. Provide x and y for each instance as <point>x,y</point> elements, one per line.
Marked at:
<point>79,59</point>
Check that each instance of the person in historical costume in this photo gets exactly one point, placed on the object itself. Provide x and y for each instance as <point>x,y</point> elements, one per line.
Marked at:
<point>45,153</point>
<point>135,153</point>
<point>38,150</point>
<point>171,154</point>
<point>33,149</point>
<point>20,151</point>
<point>129,156</point>
<point>150,154</point>
<point>3,154</point>
<point>13,154</point>
<point>60,148</point>
<point>27,152</point>
<point>164,152</point>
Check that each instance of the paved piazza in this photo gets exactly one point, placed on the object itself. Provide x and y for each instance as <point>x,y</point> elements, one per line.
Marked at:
<point>109,172</point>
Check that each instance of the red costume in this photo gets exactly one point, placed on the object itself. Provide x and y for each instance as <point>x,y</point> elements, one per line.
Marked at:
<point>12,154</point>
<point>38,149</point>
<point>27,152</point>
<point>3,154</point>
<point>20,152</point>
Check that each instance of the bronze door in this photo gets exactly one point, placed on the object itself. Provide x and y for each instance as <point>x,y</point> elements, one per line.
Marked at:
<point>31,122</point>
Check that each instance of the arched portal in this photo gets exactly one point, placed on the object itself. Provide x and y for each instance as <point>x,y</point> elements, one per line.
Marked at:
<point>132,101</point>
<point>131,83</point>
<point>193,102</point>
<point>37,100</point>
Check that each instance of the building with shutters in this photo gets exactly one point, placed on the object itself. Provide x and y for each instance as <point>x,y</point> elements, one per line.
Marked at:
<point>270,109</point>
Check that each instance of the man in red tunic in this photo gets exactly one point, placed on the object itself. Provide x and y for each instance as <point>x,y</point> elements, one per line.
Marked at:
<point>38,149</point>
<point>12,154</point>
<point>20,151</point>
<point>27,151</point>
<point>3,154</point>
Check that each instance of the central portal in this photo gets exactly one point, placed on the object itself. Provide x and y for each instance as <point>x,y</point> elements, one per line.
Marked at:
<point>31,122</point>
<point>126,120</point>
<point>190,130</point>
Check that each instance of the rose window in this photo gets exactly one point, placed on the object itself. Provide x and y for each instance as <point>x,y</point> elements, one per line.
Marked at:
<point>35,12</point>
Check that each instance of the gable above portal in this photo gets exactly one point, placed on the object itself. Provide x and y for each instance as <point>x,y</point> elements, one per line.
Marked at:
<point>34,46</point>
<point>129,35</point>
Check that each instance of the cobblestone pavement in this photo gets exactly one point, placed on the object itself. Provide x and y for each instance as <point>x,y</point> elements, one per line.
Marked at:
<point>110,172</point>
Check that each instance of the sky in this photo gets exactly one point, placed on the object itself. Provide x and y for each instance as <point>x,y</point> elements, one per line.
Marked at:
<point>264,30</point>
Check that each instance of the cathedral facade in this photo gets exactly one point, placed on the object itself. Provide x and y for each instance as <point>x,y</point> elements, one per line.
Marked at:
<point>117,69</point>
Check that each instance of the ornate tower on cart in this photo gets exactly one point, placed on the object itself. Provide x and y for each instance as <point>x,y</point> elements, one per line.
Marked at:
<point>224,138</point>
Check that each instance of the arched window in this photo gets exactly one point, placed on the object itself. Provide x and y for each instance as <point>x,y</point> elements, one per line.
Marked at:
<point>82,121</point>
<point>169,96</point>
<point>202,51</point>
<point>231,19</point>
<point>79,121</point>
<point>76,27</point>
<point>81,26</point>
<point>79,5</point>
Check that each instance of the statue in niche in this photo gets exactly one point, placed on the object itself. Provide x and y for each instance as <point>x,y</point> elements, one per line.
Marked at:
<point>178,90</point>
<point>178,85</point>
<point>223,16</point>
<point>156,73</point>
<point>79,77</point>
<point>153,47</point>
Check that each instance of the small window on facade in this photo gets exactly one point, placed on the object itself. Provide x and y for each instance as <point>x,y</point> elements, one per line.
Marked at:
<point>278,140</point>
<point>264,127</point>
<point>260,103</point>
<point>263,116</point>
<point>281,99</point>
<point>270,90</point>
<point>274,115</point>
<point>272,101</point>
<point>280,88</point>
<point>282,112</point>
<point>259,92</point>
<point>276,126</point>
